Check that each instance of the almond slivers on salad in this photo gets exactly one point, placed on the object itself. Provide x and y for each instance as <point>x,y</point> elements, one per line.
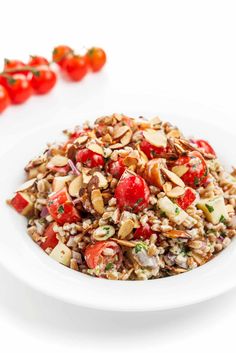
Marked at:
<point>128,199</point>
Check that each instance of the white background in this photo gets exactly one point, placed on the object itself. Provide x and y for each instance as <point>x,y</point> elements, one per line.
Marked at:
<point>180,50</point>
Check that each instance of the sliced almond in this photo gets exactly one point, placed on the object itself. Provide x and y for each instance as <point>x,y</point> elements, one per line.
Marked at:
<point>86,177</point>
<point>200,260</point>
<point>28,184</point>
<point>75,186</point>
<point>97,201</point>
<point>173,177</point>
<point>174,133</point>
<point>175,234</point>
<point>80,140</point>
<point>230,208</point>
<point>180,170</point>
<point>130,161</point>
<point>96,148</point>
<point>59,182</point>
<point>167,187</point>
<point>119,131</point>
<point>103,232</point>
<point>155,138</point>
<point>116,146</point>
<point>127,243</point>
<point>175,192</point>
<point>155,121</point>
<point>126,228</point>
<point>103,183</point>
<point>125,140</point>
<point>153,172</point>
<point>59,161</point>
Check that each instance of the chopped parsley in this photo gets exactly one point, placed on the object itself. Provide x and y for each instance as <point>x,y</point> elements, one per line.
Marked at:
<point>60,209</point>
<point>140,247</point>
<point>177,211</point>
<point>210,208</point>
<point>222,219</point>
<point>109,266</point>
<point>196,181</point>
<point>163,214</point>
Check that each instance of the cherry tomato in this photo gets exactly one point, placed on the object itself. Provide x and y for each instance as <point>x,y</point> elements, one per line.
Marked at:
<point>205,146</point>
<point>197,171</point>
<point>51,239</point>
<point>150,150</point>
<point>60,53</point>
<point>38,61</point>
<point>61,207</point>
<point>43,80</point>
<point>18,87</point>
<point>4,99</point>
<point>132,193</point>
<point>186,199</point>
<point>143,232</point>
<point>14,64</point>
<point>116,168</point>
<point>89,158</point>
<point>76,67</point>
<point>96,58</point>
<point>94,255</point>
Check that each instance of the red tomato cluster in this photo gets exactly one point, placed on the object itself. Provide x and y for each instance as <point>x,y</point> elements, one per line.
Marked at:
<point>19,80</point>
<point>77,66</point>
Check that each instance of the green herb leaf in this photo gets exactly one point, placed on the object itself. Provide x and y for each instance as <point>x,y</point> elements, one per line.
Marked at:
<point>60,209</point>
<point>196,181</point>
<point>177,211</point>
<point>140,246</point>
<point>210,208</point>
<point>109,266</point>
<point>222,219</point>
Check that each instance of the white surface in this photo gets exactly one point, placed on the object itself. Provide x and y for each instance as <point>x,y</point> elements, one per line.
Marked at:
<point>46,275</point>
<point>182,50</point>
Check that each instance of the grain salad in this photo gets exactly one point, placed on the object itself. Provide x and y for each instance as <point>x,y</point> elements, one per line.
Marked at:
<point>128,199</point>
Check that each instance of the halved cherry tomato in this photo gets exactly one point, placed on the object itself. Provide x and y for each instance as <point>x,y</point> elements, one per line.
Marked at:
<point>18,87</point>
<point>95,256</point>
<point>61,207</point>
<point>14,64</point>
<point>143,232</point>
<point>197,171</point>
<point>116,168</point>
<point>4,99</point>
<point>38,61</point>
<point>132,193</point>
<point>60,53</point>
<point>76,67</point>
<point>89,158</point>
<point>186,199</point>
<point>97,58</point>
<point>150,150</point>
<point>205,146</point>
<point>43,80</point>
<point>51,239</point>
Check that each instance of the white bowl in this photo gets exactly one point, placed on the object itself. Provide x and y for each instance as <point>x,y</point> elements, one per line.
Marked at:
<point>28,262</point>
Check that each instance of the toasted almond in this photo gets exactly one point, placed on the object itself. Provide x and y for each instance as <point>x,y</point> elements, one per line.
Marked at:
<point>126,228</point>
<point>153,172</point>
<point>80,140</point>
<point>28,184</point>
<point>180,170</point>
<point>96,148</point>
<point>75,186</point>
<point>174,133</point>
<point>130,161</point>
<point>116,146</point>
<point>155,138</point>
<point>173,177</point>
<point>176,192</point>
<point>103,183</point>
<point>86,177</point>
<point>97,201</point>
<point>230,208</point>
<point>119,131</point>
<point>178,270</point>
<point>125,140</point>
<point>107,138</point>
<point>58,161</point>
<point>127,243</point>
<point>200,260</point>
<point>167,187</point>
<point>103,232</point>
<point>155,121</point>
<point>175,234</point>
